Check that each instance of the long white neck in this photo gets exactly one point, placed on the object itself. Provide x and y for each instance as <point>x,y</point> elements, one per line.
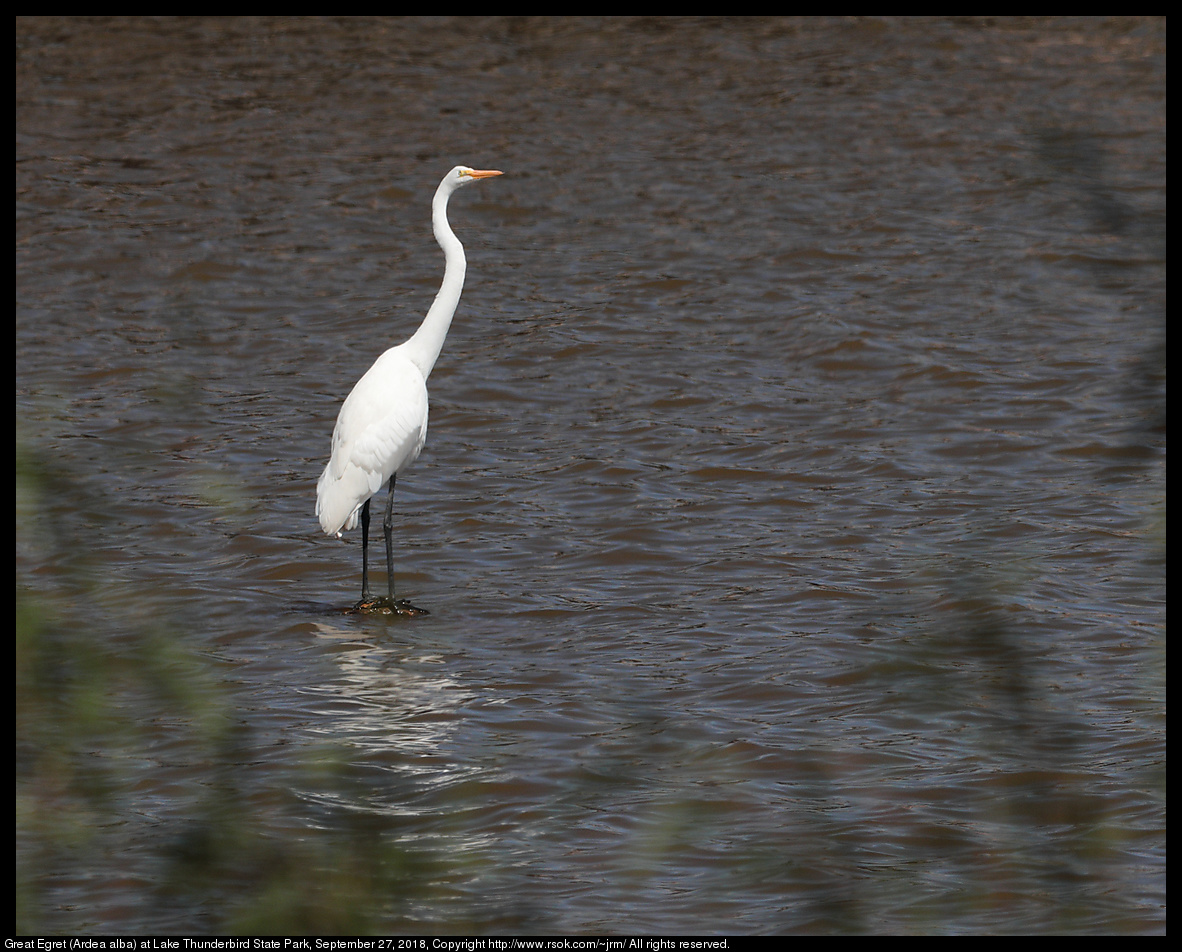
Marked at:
<point>427,341</point>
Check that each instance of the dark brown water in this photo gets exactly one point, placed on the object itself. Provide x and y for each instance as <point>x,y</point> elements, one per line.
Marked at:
<point>792,519</point>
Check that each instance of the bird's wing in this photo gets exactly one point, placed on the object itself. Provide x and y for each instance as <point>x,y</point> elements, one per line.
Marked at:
<point>380,431</point>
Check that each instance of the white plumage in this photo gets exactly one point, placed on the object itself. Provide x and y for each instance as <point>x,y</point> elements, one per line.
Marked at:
<point>380,431</point>
<point>382,425</point>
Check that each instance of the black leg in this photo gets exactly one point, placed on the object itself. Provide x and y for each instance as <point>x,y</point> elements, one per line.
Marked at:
<point>402,607</point>
<point>365,597</point>
<point>388,531</point>
<point>368,602</point>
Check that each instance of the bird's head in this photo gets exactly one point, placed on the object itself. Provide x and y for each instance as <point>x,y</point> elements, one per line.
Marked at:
<point>461,175</point>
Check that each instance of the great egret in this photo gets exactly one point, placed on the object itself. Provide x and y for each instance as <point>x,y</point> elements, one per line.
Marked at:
<point>383,423</point>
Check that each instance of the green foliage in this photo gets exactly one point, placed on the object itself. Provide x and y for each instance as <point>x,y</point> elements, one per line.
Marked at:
<point>136,776</point>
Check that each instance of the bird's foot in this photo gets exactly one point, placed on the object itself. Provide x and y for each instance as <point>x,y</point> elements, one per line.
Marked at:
<point>388,606</point>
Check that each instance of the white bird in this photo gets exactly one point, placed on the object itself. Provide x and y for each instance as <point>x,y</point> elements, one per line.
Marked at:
<point>382,425</point>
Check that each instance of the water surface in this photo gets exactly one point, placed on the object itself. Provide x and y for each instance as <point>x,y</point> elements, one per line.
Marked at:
<point>792,517</point>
